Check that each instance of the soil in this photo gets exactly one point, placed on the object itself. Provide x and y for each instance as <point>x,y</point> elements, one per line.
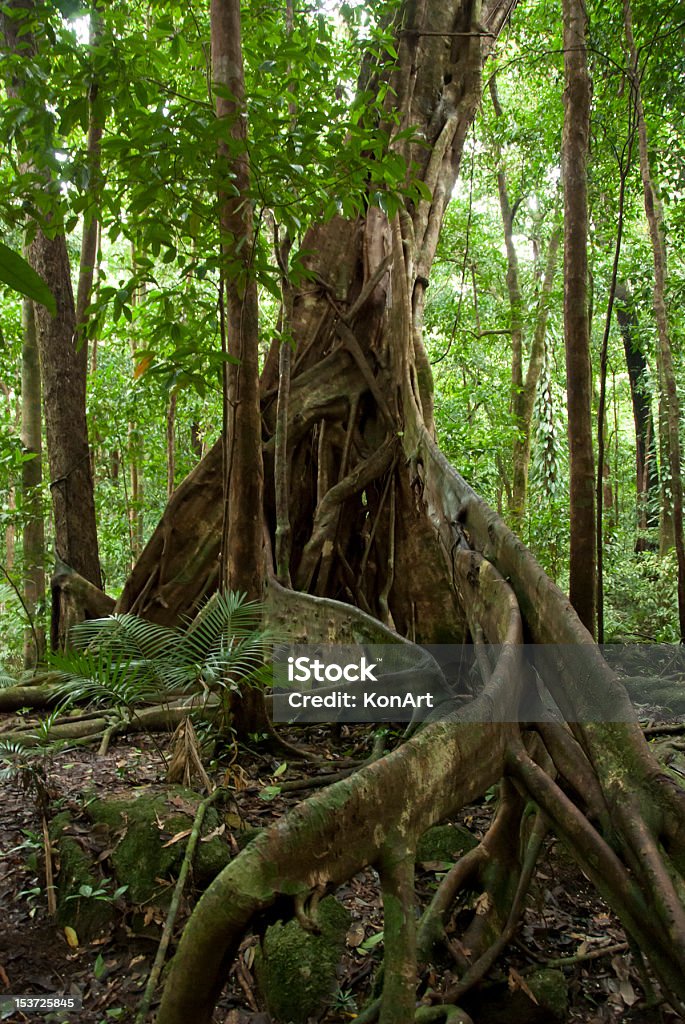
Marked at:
<point>564,917</point>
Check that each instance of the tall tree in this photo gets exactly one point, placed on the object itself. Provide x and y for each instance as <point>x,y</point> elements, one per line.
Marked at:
<point>668,389</point>
<point>31,484</point>
<point>243,477</point>
<point>575,143</point>
<point>63,362</point>
<point>523,387</point>
<point>402,533</point>
<point>646,465</point>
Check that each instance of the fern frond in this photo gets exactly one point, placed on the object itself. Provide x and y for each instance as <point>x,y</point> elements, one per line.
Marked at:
<point>6,680</point>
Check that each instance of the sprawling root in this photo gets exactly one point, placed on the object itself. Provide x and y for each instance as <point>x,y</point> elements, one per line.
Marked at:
<point>366,510</point>
<point>360,821</point>
<point>595,783</point>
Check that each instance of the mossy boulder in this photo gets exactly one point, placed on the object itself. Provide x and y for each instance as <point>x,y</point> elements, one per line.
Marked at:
<point>498,1005</point>
<point>551,991</point>
<point>296,969</point>
<point>139,828</point>
<point>445,843</point>
<point>87,915</point>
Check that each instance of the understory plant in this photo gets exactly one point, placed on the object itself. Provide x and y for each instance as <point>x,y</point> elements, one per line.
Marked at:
<point>124,661</point>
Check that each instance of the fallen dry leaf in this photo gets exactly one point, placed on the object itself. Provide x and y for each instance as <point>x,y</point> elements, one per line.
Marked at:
<point>355,935</point>
<point>177,838</point>
<point>515,982</point>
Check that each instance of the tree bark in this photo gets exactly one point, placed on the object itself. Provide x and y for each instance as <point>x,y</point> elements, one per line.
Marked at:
<point>91,221</point>
<point>575,142</point>
<point>63,371</point>
<point>31,486</point>
<point>646,466</point>
<point>244,486</point>
<point>668,389</point>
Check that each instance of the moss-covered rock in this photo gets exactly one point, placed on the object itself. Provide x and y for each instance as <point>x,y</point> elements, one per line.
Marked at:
<point>140,827</point>
<point>296,970</point>
<point>498,1005</point>
<point>445,843</point>
<point>551,991</point>
<point>246,836</point>
<point>87,915</point>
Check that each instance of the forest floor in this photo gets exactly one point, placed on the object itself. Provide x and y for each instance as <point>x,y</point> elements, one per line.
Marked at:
<point>564,918</point>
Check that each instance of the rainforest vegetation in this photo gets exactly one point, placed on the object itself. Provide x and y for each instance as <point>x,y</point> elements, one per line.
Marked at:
<point>354,323</point>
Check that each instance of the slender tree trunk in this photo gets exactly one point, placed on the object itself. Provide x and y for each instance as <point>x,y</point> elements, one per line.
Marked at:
<point>667,380</point>
<point>91,224</point>
<point>604,492</point>
<point>63,372</point>
<point>646,467</point>
<point>522,391</point>
<point>135,449</point>
<point>513,277</point>
<point>575,143</point>
<point>10,528</point>
<point>171,444</point>
<point>31,486</point>
<point>244,558</point>
<point>536,359</point>
<point>64,395</point>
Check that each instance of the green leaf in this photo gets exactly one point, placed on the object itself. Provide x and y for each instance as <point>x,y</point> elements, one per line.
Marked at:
<point>269,792</point>
<point>16,273</point>
<point>372,941</point>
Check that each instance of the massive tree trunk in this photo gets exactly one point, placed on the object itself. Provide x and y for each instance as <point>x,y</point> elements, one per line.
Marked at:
<point>575,145</point>
<point>63,371</point>
<point>379,519</point>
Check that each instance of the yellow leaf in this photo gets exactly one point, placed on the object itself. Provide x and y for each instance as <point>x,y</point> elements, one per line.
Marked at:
<point>71,936</point>
<point>142,367</point>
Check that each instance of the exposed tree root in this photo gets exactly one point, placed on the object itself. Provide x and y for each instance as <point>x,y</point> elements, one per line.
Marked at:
<point>445,764</point>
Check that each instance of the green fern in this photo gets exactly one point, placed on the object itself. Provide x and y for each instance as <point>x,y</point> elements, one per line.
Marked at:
<point>124,660</point>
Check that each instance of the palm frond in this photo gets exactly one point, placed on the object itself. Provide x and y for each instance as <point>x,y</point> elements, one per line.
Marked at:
<point>6,680</point>
<point>15,757</point>
<point>126,660</point>
<point>149,648</point>
<point>224,619</point>
<point>127,635</point>
<point>100,679</point>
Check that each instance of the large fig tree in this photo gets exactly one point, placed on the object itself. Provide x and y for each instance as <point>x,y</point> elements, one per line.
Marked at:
<point>379,537</point>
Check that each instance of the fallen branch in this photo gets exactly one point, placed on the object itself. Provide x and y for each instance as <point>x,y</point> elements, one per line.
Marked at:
<point>193,840</point>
